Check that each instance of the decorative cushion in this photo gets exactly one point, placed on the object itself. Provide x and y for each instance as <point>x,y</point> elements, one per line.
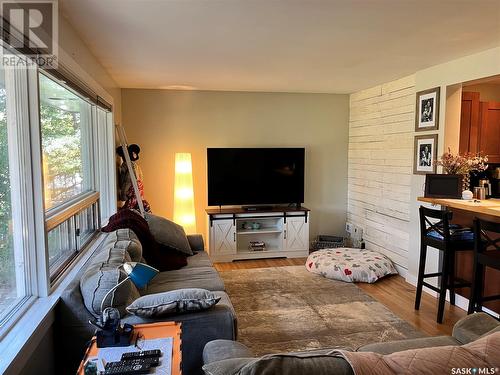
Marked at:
<point>101,276</point>
<point>350,265</point>
<point>168,233</point>
<point>457,233</point>
<point>164,258</point>
<point>173,302</point>
<point>168,259</point>
<point>130,219</point>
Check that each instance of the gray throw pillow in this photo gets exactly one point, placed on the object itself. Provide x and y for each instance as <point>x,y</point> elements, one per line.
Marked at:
<point>103,273</point>
<point>168,233</point>
<point>173,302</point>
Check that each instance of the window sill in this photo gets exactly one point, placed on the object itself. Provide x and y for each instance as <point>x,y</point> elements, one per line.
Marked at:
<point>26,333</point>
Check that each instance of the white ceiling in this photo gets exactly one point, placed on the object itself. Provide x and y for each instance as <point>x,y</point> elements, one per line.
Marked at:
<point>335,46</point>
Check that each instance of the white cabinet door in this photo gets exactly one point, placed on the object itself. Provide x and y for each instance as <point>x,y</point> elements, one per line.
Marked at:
<point>223,237</point>
<point>296,234</point>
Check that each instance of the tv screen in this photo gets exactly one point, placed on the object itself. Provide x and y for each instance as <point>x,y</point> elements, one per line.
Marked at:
<point>238,176</point>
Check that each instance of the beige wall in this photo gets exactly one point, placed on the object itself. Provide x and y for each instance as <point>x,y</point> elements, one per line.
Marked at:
<point>163,122</point>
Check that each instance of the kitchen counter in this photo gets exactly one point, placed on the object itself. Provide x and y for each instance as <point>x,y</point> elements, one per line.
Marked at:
<point>487,208</point>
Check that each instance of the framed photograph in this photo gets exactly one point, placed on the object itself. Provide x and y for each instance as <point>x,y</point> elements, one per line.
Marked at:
<point>427,110</point>
<point>425,154</point>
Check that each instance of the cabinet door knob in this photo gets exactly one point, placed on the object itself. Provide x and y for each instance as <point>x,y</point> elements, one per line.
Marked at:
<point>234,236</point>
<point>285,234</point>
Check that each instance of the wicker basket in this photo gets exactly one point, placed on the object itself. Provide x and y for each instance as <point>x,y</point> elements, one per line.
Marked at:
<point>328,242</point>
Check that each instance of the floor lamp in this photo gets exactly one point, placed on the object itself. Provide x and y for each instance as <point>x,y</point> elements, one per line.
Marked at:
<point>184,213</point>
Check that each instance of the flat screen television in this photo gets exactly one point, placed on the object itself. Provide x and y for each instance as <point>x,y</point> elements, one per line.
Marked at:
<point>253,176</point>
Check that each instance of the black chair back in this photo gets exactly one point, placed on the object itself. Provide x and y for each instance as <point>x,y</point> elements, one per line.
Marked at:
<point>484,241</point>
<point>442,226</point>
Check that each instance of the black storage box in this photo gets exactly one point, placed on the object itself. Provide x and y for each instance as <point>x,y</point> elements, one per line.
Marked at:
<point>327,242</point>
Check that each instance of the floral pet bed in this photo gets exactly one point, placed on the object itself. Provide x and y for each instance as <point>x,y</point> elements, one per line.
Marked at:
<point>350,265</point>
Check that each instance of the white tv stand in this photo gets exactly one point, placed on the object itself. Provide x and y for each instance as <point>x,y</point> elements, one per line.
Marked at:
<point>285,231</point>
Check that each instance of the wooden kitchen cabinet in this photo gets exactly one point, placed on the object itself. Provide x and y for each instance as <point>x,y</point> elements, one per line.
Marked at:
<point>489,131</point>
<point>469,122</point>
<point>480,127</point>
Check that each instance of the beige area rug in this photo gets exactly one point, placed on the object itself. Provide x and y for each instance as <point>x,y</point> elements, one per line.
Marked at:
<point>288,309</point>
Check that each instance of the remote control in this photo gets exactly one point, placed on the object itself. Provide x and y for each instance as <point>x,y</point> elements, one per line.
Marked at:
<point>153,362</point>
<point>122,368</point>
<point>143,354</point>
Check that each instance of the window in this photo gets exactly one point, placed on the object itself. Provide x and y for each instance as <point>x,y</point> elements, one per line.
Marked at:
<point>8,289</point>
<point>14,192</point>
<point>65,121</point>
<point>56,156</point>
<point>61,242</point>
<point>69,231</point>
<point>68,126</point>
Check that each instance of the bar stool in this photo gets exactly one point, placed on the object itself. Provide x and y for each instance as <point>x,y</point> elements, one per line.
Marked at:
<point>448,238</point>
<point>486,254</point>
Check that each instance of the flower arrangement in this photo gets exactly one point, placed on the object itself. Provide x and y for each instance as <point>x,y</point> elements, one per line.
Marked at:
<point>463,164</point>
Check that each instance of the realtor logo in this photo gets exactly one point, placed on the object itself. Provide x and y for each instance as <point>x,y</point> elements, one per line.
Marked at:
<point>30,26</point>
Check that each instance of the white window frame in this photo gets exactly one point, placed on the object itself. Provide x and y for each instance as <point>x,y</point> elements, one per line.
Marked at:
<point>23,196</point>
<point>105,162</point>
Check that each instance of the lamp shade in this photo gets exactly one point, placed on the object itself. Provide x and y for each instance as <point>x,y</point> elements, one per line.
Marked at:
<point>183,193</point>
<point>140,273</point>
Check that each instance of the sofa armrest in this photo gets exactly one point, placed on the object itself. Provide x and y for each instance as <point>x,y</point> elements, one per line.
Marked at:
<point>473,326</point>
<point>317,362</point>
<point>196,242</point>
<point>218,350</point>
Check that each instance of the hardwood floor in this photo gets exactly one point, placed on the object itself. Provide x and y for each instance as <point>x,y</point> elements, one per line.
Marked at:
<point>393,292</point>
<point>259,263</point>
<point>399,296</point>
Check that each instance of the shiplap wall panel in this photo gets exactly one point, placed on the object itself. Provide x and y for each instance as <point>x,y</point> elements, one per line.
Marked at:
<point>381,125</point>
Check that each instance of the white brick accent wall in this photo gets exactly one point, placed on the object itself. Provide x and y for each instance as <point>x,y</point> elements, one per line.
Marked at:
<point>381,133</point>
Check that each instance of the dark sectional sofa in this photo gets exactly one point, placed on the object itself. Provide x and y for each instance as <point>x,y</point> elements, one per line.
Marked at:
<point>226,357</point>
<point>208,337</point>
<point>73,331</point>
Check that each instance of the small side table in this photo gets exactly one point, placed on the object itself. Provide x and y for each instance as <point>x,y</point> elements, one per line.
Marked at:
<point>148,332</point>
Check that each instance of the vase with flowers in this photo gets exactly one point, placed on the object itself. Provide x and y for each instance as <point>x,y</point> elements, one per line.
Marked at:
<point>463,165</point>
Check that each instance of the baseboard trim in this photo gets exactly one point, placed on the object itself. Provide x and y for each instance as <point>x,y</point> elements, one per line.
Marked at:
<point>403,272</point>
